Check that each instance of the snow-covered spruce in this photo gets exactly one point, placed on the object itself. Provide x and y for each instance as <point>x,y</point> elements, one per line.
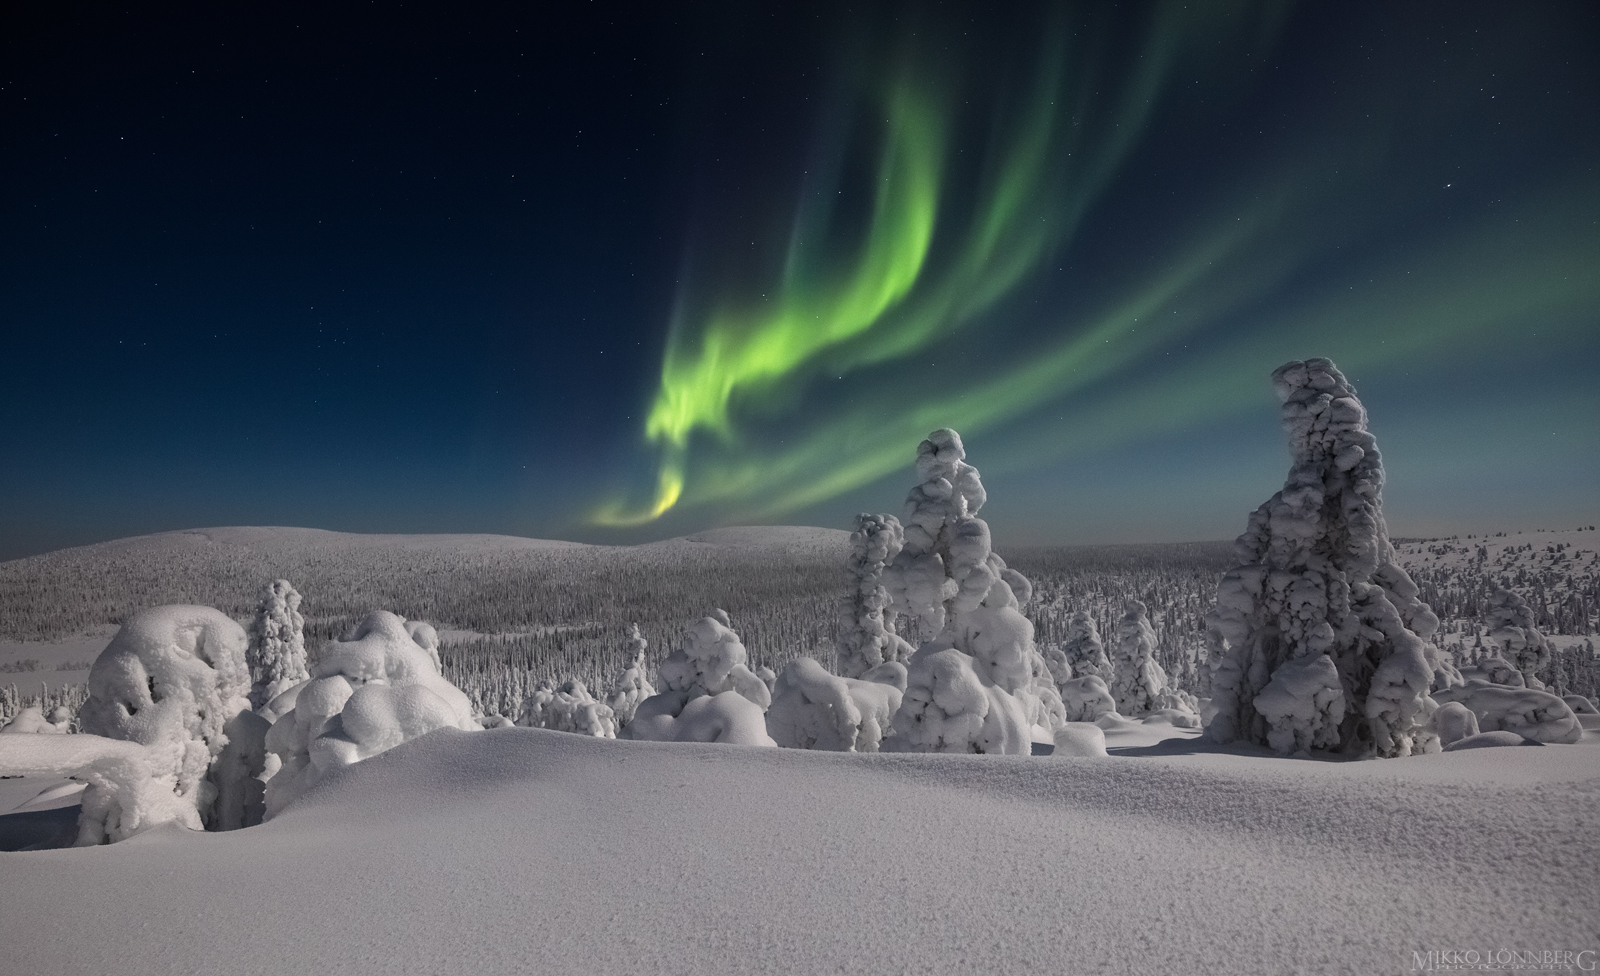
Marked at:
<point>1317,579</point>
<point>979,685</point>
<point>866,622</point>
<point>569,708</point>
<point>1084,650</point>
<point>1139,679</point>
<point>368,693</point>
<point>633,685</point>
<point>812,709</point>
<point>173,679</point>
<point>277,651</point>
<point>710,693</point>
<point>1514,633</point>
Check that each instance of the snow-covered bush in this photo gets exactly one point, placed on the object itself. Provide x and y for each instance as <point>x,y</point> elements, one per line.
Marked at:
<point>277,652</point>
<point>1498,671</point>
<point>173,679</point>
<point>633,685</point>
<point>368,693</point>
<point>1511,627</point>
<point>32,719</point>
<point>1317,579</point>
<point>1537,715</point>
<point>866,624</point>
<point>979,685</point>
<point>1087,699</point>
<point>812,709</point>
<point>711,695</point>
<point>568,709</point>
<point>1453,722</point>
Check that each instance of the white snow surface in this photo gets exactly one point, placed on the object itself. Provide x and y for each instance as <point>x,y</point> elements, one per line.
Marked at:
<point>478,852</point>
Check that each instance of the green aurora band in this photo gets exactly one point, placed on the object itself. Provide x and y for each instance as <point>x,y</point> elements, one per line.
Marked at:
<point>923,283</point>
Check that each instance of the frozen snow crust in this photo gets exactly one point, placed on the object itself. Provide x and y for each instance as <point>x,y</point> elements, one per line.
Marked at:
<point>480,852</point>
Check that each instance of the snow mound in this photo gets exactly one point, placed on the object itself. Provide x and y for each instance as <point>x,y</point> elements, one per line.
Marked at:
<point>1080,739</point>
<point>1536,714</point>
<point>1490,740</point>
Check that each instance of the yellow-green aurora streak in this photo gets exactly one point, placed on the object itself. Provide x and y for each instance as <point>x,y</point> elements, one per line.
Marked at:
<point>891,303</point>
<point>1115,366</point>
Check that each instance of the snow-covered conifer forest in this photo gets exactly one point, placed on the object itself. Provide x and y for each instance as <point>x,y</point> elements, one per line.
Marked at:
<point>617,758</point>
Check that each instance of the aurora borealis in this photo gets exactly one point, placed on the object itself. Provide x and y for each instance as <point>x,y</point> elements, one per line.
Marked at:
<point>617,273</point>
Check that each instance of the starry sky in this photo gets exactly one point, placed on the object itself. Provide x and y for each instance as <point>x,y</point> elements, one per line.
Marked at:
<point>617,272</point>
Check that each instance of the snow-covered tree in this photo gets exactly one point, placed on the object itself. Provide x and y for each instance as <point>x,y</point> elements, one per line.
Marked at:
<point>866,622</point>
<point>813,709</point>
<point>979,685</point>
<point>570,708</point>
<point>1086,699</point>
<point>1514,632</point>
<point>172,679</point>
<point>1083,649</point>
<point>711,695</point>
<point>1139,681</point>
<point>1317,592</point>
<point>633,685</point>
<point>368,693</point>
<point>277,651</point>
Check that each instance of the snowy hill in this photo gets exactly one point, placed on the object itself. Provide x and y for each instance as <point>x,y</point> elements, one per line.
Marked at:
<point>526,850</point>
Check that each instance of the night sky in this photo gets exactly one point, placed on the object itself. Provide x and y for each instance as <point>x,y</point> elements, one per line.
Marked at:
<point>607,273</point>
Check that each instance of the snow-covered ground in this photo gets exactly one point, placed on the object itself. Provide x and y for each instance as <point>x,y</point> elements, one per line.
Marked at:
<point>522,850</point>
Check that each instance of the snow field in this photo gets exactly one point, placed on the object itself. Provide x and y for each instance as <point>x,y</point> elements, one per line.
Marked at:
<point>503,847</point>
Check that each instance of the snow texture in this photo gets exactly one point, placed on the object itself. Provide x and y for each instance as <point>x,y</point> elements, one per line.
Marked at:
<point>172,679</point>
<point>368,693</point>
<point>711,695</point>
<point>633,685</point>
<point>1317,578</point>
<point>277,651</point>
<point>1084,650</point>
<point>979,685</point>
<point>866,624</point>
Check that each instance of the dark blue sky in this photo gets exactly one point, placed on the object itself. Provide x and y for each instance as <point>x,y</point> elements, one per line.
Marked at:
<point>414,268</point>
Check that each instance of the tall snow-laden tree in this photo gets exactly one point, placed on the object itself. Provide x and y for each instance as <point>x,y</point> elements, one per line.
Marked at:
<point>1318,639</point>
<point>277,651</point>
<point>633,686</point>
<point>866,622</point>
<point>1139,681</point>
<point>979,684</point>
<point>1084,650</point>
